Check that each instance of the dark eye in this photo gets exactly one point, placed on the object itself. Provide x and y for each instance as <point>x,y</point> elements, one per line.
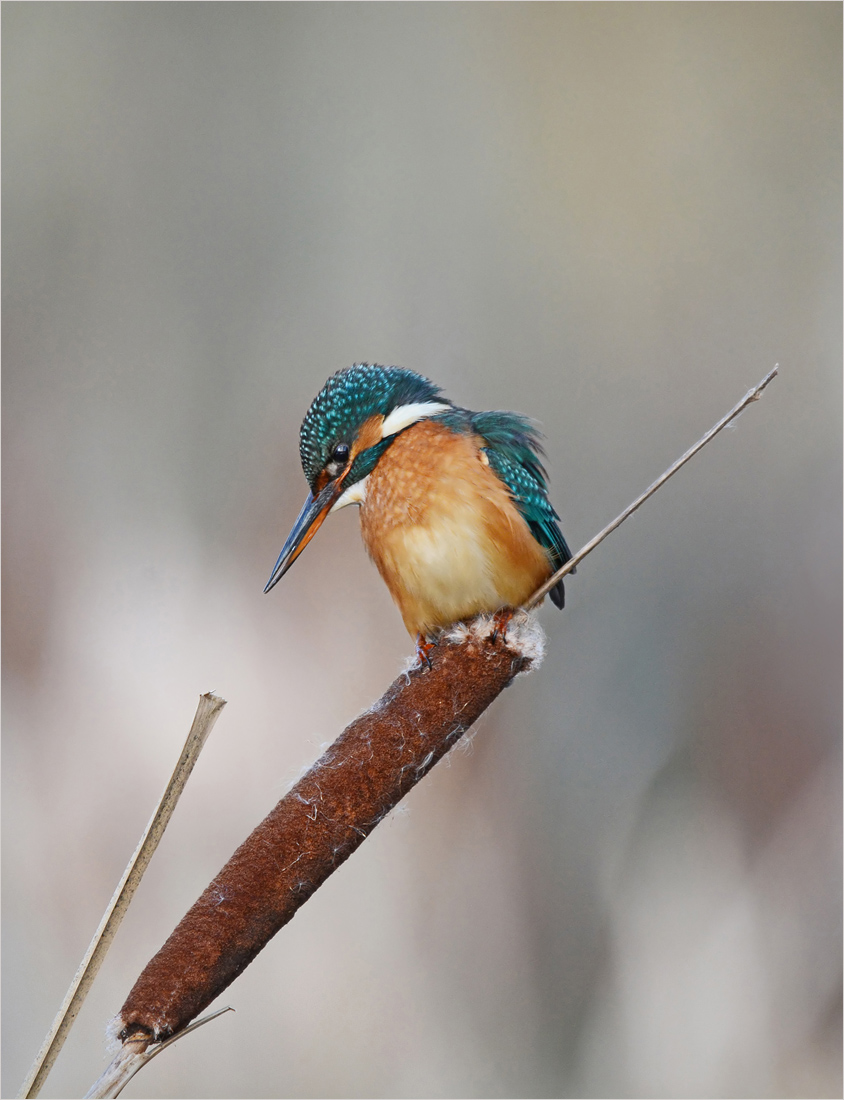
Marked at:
<point>340,454</point>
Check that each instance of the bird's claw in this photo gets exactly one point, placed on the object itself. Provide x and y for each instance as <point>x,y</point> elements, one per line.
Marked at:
<point>501,620</point>
<point>423,648</point>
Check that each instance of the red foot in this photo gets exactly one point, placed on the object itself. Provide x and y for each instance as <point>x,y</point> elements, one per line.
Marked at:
<point>423,648</point>
<point>501,620</point>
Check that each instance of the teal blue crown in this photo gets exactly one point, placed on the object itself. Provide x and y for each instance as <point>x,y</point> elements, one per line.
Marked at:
<point>347,400</point>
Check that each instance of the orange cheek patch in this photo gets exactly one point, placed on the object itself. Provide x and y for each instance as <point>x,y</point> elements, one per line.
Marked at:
<point>368,436</point>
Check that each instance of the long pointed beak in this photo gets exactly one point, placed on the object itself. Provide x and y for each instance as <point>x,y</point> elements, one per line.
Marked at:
<point>314,511</point>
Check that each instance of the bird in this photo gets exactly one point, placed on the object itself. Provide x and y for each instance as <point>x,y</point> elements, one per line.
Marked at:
<point>454,504</point>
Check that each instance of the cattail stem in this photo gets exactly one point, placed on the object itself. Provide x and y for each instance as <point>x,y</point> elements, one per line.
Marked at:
<point>570,566</point>
<point>136,1051</point>
<point>207,713</point>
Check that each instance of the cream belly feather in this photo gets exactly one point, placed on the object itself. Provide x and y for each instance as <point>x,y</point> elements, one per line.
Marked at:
<point>443,531</point>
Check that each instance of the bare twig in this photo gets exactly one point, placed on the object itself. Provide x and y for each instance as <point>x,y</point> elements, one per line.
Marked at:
<point>206,715</point>
<point>751,395</point>
<point>136,1051</point>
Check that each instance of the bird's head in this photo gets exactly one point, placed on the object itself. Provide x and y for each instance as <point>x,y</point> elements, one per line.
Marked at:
<point>351,422</point>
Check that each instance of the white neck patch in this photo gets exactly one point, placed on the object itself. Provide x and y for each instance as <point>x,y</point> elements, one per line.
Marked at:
<point>405,415</point>
<point>355,494</point>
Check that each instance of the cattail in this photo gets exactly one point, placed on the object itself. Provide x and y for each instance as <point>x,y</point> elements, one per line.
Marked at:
<point>323,819</point>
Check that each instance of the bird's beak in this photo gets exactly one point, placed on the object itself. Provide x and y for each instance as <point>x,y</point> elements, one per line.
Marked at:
<point>314,511</point>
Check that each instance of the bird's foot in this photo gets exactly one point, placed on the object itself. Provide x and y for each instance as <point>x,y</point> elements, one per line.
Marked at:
<point>423,648</point>
<point>501,620</point>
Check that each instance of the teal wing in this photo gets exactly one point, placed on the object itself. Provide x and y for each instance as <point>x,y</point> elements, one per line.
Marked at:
<point>514,451</point>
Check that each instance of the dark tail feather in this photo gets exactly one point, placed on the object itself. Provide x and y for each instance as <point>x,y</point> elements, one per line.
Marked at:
<point>558,595</point>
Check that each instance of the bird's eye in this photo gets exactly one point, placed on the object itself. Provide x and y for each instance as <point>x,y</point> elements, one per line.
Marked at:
<point>340,454</point>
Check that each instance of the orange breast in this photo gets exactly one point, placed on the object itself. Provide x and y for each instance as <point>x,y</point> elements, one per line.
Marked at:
<point>444,533</point>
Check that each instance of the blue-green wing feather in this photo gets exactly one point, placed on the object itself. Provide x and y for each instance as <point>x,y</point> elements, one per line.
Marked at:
<point>514,451</point>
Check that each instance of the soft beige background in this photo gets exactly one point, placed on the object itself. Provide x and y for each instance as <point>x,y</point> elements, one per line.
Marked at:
<point>615,217</point>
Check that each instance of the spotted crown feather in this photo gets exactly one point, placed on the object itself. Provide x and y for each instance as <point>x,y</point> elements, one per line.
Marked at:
<point>350,397</point>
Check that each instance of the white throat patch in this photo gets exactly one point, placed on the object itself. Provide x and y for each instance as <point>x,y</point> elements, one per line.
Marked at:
<point>355,494</point>
<point>405,415</point>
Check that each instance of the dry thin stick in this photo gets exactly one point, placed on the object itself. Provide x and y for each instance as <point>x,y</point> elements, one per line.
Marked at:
<point>134,1055</point>
<point>751,395</point>
<point>206,715</point>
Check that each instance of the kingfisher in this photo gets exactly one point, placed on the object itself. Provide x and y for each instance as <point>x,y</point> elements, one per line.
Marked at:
<point>454,504</point>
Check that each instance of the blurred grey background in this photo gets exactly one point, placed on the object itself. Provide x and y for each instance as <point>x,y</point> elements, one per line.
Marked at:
<point>614,217</point>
